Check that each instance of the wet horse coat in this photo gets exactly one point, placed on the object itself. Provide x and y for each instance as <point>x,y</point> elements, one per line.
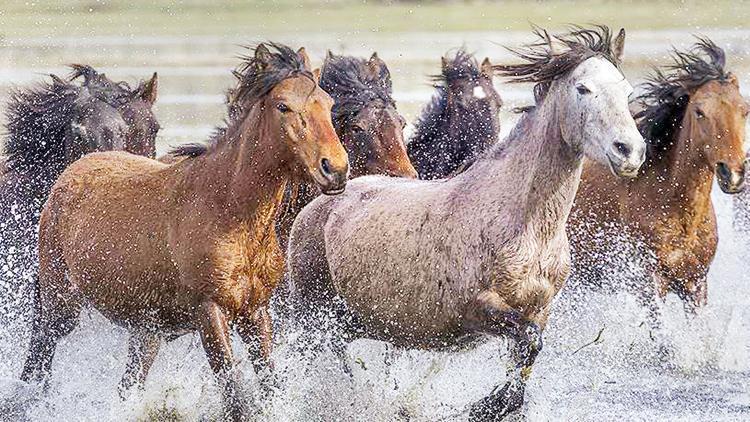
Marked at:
<point>428,264</point>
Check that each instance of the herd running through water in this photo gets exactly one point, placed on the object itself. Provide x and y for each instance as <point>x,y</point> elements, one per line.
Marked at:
<point>195,242</point>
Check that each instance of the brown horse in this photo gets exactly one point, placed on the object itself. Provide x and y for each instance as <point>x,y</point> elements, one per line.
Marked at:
<point>367,122</point>
<point>693,119</point>
<point>165,250</point>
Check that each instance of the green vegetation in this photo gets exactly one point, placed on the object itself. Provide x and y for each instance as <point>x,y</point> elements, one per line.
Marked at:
<point>231,17</point>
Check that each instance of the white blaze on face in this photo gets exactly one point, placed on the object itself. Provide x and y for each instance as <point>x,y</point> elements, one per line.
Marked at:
<point>479,92</point>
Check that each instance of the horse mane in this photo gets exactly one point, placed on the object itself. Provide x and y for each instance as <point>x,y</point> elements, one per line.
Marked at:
<point>37,117</point>
<point>353,85</point>
<point>260,71</point>
<point>666,95</point>
<point>543,64</point>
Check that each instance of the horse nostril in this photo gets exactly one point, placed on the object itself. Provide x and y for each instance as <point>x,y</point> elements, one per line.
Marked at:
<point>325,167</point>
<point>723,170</point>
<point>623,149</point>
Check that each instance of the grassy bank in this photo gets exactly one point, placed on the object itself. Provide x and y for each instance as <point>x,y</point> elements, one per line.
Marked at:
<point>225,17</point>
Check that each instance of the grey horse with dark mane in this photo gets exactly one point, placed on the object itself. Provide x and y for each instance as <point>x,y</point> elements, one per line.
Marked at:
<point>49,126</point>
<point>435,264</point>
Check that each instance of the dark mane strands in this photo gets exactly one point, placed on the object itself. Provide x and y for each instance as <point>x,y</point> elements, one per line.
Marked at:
<point>666,96</point>
<point>544,64</point>
<point>352,85</point>
<point>269,64</point>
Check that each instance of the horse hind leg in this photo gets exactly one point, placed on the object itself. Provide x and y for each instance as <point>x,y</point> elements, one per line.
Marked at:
<point>57,312</point>
<point>142,350</point>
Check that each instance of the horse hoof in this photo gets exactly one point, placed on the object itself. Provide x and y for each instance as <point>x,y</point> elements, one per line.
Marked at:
<point>497,406</point>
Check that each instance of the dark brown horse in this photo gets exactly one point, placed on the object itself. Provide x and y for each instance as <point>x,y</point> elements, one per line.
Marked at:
<point>460,122</point>
<point>367,122</point>
<point>170,249</point>
<point>49,126</point>
<point>693,119</point>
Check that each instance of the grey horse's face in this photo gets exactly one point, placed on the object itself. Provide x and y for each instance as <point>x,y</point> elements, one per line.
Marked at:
<point>595,117</point>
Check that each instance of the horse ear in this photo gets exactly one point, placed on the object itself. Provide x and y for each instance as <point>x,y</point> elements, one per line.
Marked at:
<point>148,90</point>
<point>732,78</point>
<point>486,67</point>
<point>329,54</point>
<point>262,53</point>
<point>305,58</point>
<point>619,45</point>
<point>377,66</point>
<point>444,63</point>
<point>316,75</point>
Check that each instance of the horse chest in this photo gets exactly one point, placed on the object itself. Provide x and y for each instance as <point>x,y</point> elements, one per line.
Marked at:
<point>247,271</point>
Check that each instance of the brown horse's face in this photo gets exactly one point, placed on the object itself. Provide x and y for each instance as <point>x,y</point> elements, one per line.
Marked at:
<point>375,139</point>
<point>302,111</point>
<point>717,114</point>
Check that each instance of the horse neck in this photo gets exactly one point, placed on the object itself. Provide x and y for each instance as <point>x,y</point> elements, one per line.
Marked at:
<point>243,177</point>
<point>680,174</point>
<point>531,178</point>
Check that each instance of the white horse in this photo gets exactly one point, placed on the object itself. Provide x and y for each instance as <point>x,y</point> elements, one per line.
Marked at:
<point>427,264</point>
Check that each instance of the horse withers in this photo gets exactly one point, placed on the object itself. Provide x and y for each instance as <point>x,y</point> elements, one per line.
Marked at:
<point>431,264</point>
<point>165,250</point>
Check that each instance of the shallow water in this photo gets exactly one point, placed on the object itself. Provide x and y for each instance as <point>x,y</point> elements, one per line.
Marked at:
<point>618,377</point>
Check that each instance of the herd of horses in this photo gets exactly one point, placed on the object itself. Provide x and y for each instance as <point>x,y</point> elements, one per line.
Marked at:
<point>431,244</point>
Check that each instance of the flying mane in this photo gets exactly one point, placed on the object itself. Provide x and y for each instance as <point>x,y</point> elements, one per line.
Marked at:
<point>666,95</point>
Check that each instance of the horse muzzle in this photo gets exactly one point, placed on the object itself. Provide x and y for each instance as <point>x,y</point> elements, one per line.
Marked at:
<point>731,181</point>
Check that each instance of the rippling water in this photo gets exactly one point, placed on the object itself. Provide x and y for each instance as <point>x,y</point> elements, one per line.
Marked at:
<point>618,376</point>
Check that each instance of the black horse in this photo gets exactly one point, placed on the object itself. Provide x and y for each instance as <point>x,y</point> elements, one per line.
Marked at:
<point>460,122</point>
<point>48,127</point>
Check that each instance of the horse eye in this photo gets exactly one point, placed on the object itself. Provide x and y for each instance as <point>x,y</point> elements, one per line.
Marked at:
<point>283,108</point>
<point>583,89</point>
<point>356,129</point>
<point>699,113</point>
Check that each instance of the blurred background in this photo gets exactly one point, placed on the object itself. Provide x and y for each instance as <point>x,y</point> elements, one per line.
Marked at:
<point>599,365</point>
<point>193,44</point>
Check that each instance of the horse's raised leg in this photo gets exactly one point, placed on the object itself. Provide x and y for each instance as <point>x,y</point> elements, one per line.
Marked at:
<point>256,331</point>
<point>142,350</point>
<point>214,331</point>
<point>525,343</point>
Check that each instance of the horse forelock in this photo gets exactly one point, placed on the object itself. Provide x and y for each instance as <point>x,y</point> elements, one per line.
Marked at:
<point>353,86</point>
<point>543,63</point>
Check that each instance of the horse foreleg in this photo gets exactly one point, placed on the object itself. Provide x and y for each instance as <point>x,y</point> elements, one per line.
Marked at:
<point>142,351</point>
<point>525,343</point>
<point>214,331</point>
<point>256,331</point>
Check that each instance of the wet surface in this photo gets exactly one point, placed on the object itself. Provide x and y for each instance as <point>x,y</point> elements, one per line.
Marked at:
<point>619,376</point>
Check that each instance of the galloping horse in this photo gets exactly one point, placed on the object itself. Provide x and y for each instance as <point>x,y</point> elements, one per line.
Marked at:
<point>169,249</point>
<point>693,120</point>
<point>460,122</point>
<point>49,126</point>
<point>431,264</point>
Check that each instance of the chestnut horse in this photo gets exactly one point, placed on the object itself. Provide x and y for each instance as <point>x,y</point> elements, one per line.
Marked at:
<point>693,119</point>
<point>432,264</point>
<point>49,126</point>
<point>170,249</point>
<point>460,122</point>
